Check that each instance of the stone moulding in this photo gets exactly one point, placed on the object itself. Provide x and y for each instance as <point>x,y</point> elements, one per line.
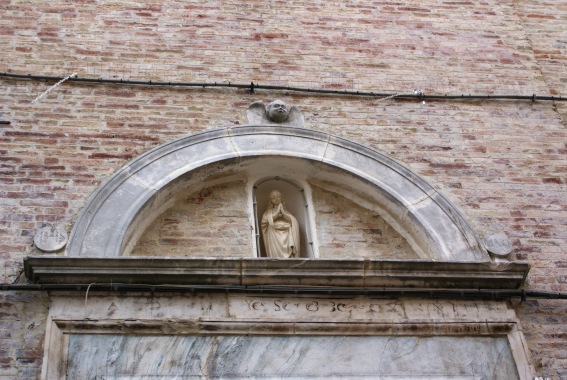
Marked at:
<point>103,227</point>
<point>293,272</point>
<point>124,317</point>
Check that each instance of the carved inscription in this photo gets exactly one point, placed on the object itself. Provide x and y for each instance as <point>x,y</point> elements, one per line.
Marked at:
<point>368,309</point>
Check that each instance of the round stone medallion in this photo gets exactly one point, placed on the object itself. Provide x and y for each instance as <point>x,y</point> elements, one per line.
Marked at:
<point>50,238</point>
<point>497,244</point>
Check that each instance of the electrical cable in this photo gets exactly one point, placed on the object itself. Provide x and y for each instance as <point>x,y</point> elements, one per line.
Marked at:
<point>485,294</point>
<point>418,94</point>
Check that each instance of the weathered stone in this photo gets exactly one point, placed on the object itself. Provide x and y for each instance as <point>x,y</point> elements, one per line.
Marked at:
<point>265,335</point>
<point>291,272</point>
<point>107,225</point>
<point>497,244</point>
<point>50,238</point>
<point>302,358</point>
<point>276,112</point>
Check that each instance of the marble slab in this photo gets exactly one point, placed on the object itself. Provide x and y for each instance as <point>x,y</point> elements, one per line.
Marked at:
<point>259,336</point>
<point>292,357</point>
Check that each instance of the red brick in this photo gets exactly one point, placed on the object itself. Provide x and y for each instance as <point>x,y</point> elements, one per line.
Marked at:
<point>502,163</point>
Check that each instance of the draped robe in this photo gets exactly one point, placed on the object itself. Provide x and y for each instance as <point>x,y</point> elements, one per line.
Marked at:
<point>281,237</point>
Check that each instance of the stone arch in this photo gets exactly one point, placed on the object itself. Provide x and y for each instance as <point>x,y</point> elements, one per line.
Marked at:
<point>429,221</point>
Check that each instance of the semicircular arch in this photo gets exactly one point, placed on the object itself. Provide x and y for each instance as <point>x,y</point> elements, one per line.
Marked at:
<point>432,223</point>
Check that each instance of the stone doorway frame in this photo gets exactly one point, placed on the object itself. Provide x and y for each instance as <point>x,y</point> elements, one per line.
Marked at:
<point>236,314</point>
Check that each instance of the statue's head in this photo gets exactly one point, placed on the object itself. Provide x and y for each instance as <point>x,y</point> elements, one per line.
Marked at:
<point>277,111</point>
<point>275,198</point>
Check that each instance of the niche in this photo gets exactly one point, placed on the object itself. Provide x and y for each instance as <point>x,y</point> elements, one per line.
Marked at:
<point>295,203</point>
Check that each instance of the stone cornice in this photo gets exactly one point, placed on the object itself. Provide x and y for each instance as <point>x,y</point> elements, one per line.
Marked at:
<point>273,272</point>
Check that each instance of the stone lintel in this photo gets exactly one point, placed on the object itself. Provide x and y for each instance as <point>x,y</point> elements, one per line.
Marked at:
<point>273,272</point>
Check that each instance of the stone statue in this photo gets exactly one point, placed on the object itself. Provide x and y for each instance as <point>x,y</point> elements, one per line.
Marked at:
<point>280,229</point>
<point>277,112</point>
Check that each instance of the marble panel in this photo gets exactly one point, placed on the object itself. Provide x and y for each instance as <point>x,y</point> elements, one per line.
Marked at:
<point>260,336</point>
<point>292,357</point>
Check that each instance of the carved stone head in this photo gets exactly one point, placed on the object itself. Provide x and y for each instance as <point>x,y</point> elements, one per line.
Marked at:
<point>277,111</point>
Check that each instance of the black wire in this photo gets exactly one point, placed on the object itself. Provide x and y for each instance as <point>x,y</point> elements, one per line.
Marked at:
<point>334,291</point>
<point>254,86</point>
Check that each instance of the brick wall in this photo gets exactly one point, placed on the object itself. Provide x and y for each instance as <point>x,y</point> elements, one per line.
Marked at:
<point>212,222</point>
<point>345,229</point>
<point>546,230</point>
<point>503,163</point>
<point>22,329</point>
